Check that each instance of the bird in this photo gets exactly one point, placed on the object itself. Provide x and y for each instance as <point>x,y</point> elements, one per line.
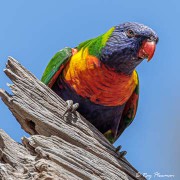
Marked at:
<point>99,78</point>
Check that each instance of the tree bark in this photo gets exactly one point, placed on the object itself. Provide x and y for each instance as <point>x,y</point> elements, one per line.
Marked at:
<point>69,148</point>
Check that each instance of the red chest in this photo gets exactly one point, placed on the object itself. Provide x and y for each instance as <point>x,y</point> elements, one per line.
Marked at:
<point>91,79</point>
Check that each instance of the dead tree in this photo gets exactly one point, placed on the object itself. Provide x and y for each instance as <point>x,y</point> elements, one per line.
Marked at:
<point>70,148</point>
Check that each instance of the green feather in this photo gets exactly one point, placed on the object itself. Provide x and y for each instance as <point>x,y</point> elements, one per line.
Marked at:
<point>60,58</point>
<point>129,117</point>
<point>95,45</point>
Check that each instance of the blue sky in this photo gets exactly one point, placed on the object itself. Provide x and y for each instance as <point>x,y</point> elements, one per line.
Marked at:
<point>33,31</point>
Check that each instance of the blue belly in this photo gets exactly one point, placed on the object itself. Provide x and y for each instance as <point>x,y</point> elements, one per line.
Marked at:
<point>102,117</point>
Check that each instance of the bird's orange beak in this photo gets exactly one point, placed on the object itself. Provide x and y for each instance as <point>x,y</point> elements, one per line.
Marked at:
<point>147,50</point>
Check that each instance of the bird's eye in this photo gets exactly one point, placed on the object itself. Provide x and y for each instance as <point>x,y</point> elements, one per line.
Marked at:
<point>130,33</point>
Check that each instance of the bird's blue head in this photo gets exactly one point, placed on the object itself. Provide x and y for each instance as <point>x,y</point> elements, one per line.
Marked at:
<point>128,45</point>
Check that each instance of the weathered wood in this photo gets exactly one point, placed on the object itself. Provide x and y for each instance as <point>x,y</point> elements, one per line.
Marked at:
<point>70,148</point>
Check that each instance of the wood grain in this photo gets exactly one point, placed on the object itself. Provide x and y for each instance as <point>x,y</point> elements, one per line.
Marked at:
<point>70,148</point>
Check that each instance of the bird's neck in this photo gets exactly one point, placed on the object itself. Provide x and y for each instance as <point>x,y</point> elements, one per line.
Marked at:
<point>96,45</point>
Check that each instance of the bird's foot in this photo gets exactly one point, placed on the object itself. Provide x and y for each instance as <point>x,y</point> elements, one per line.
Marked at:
<point>70,107</point>
<point>120,153</point>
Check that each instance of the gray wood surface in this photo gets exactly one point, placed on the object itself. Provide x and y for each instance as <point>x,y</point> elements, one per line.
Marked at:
<point>58,148</point>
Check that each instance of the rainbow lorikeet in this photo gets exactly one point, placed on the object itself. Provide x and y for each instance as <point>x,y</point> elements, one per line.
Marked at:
<point>100,75</point>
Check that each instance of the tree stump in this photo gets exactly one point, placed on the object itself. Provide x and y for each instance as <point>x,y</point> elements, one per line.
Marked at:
<point>70,148</point>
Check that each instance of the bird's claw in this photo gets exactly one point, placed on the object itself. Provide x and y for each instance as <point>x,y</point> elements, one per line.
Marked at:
<point>121,153</point>
<point>118,148</point>
<point>71,108</point>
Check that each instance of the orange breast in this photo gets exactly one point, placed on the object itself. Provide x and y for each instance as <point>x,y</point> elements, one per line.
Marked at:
<point>91,79</point>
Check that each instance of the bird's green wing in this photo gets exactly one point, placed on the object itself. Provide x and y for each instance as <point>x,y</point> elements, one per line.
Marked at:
<point>129,112</point>
<point>127,117</point>
<point>55,66</point>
